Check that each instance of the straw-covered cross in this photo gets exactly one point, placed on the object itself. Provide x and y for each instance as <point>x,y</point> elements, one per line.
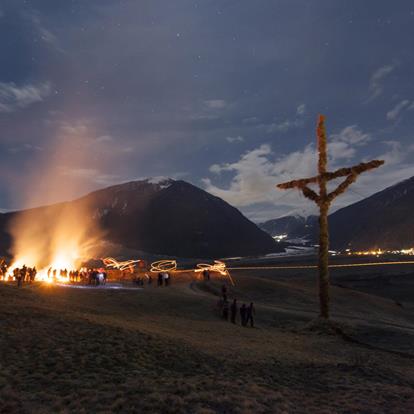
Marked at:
<point>324,200</point>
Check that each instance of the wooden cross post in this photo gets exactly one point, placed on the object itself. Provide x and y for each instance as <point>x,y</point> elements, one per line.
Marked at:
<point>324,200</point>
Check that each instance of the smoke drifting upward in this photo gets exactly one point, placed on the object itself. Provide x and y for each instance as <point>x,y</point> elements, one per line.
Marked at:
<point>60,235</point>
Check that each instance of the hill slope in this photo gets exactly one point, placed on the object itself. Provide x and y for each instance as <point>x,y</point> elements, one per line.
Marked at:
<point>166,350</point>
<point>176,218</point>
<point>384,220</point>
<point>164,217</point>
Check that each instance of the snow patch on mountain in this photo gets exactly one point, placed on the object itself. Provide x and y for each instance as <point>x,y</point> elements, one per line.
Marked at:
<point>161,182</point>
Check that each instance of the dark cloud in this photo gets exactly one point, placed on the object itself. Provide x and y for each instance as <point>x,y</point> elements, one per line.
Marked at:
<point>162,88</point>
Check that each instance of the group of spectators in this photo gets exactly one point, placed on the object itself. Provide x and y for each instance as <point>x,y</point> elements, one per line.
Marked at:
<point>164,279</point>
<point>246,312</point>
<point>24,274</point>
<point>27,274</point>
<point>94,277</point>
<point>140,280</point>
<point>85,276</point>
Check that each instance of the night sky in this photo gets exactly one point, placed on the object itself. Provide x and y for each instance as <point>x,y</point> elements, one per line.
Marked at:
<point>223,94</point>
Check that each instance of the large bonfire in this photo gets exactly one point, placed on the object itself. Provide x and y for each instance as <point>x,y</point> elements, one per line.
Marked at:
<point>60,236</point>
<point>53,239</point>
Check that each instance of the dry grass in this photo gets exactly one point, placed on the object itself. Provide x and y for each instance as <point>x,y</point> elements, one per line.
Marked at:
<point>165,351</point>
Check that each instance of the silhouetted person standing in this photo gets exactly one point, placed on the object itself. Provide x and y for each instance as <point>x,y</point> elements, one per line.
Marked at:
<point>224,292</point>
<point>18,277</point>
<point>226,310</point>
<point>250,314</point>
<point>95,277</point>
<point>4,270</point>
<point>243,314</point>
<point>233,311</point>
<point>32,274</point>
<point>23,273</point>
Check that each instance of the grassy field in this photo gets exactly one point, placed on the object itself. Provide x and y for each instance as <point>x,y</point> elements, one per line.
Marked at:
<point>165,350</point>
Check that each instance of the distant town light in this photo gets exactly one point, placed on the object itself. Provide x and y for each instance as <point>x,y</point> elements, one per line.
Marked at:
<point>380,252</point>
<point>280,237</point>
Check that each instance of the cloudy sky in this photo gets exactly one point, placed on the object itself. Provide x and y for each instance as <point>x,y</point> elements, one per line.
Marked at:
<point>221,93</point>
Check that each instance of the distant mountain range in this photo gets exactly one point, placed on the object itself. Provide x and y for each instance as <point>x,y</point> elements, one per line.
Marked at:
<point>166,217</point>
<point>295,229</point>
<point>384,220</point>
<point>175,218</point>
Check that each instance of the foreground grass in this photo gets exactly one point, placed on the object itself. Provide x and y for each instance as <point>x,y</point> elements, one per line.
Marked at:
<point>165,350</point>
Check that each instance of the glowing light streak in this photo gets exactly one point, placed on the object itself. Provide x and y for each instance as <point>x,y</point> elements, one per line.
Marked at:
<point>164,266</point>
<point>114,264</point>
<point>217,266</point>
<point>315,267</point>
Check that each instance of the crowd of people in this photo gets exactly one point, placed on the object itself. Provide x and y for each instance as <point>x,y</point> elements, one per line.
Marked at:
<point>24,274</point>
<point>231,311</point>
<point>85,276</point>
<point>27,274</point>
<point>96,277</point>
<point>90,276</point>
<point>164,279</point>
<point>140,279</point>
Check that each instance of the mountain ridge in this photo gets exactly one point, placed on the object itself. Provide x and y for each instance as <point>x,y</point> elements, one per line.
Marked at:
<point>168,217</point>
<point>382,220</point>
